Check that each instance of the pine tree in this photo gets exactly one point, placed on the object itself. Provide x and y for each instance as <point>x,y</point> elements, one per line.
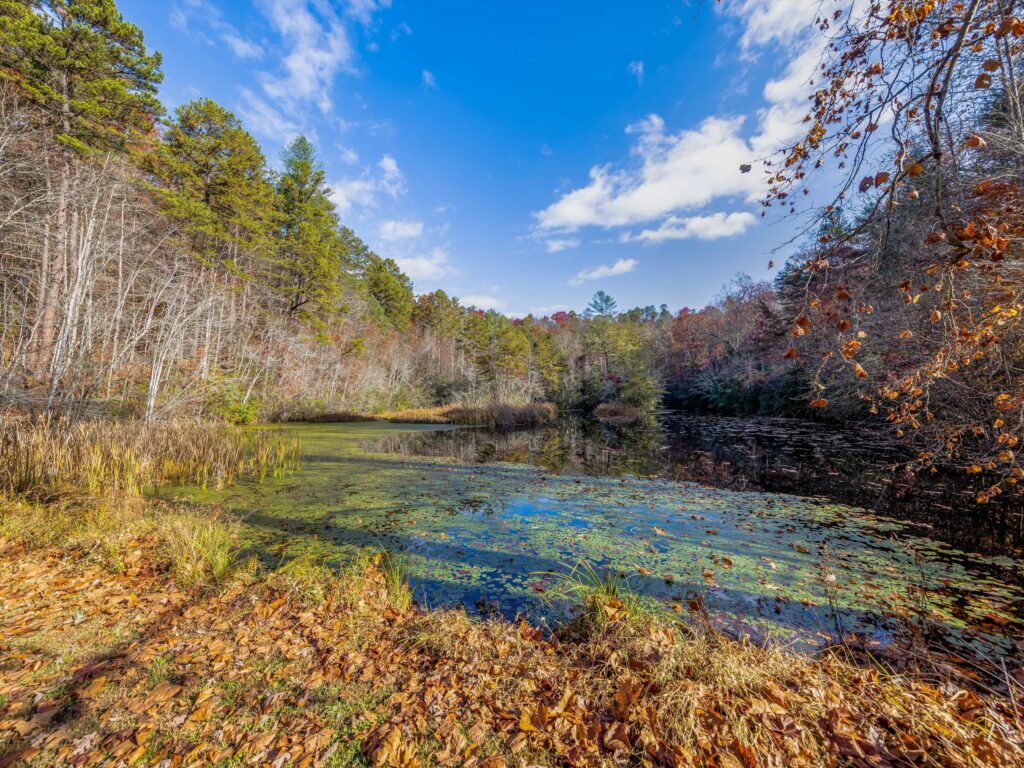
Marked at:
<point>215,185</point>
<point>309,247</point>
<point>391,289</point>
<point>88,71</point>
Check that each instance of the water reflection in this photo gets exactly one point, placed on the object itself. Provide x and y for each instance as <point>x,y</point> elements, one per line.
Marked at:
<point>758,454</point>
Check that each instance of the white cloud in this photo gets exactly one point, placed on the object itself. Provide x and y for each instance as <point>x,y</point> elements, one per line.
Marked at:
<point>681,171</point>
<point>427,267</point>
<point>363,10</point>
<point>636,69</point>
<point>348,156</point>
<point>675,172</point>
<point>317,46</point>
<point>393,231</point>
<point>264,119</point>
<point>481,301</point>
<point>561,244</point>
<point>770,21</point>
<point>205,13</point>
<point>429,79</point>
<point>364,190</point>
<point>620,267</point>
<point>710,227</point>
<point>242,48</point>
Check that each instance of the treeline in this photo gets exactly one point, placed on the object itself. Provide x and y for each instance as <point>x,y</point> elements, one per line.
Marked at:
<point>152,264</point>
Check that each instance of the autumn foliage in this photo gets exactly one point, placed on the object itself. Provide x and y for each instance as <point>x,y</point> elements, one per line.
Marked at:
<point>340,676</point>
<point>914,286</point>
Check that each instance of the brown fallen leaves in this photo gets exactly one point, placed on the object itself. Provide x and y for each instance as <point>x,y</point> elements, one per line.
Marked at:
<point>97,669</point>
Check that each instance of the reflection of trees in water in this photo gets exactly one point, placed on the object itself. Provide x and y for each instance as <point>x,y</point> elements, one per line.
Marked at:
<point>758,454</point>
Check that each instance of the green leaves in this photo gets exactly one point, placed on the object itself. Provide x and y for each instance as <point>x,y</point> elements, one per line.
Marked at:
<point>85,66</point>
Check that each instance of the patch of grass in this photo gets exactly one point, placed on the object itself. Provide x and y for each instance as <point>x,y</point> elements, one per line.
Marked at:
<point>396,580</point>
<point>602,596</point>
<point>496,415</point>
<point>306,577</point>
<point>41,457</point>
<point>201,550</point>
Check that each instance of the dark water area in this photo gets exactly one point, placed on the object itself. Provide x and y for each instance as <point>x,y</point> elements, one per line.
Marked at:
<point>774,455</point>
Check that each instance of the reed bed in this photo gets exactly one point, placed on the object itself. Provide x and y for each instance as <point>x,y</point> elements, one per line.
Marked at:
<point>41,457</point>
<point>496,416</point>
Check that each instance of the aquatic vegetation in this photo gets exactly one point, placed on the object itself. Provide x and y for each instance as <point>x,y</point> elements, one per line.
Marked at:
<point>600,595</point>
<point>43,456</point>
<point>494,537</point>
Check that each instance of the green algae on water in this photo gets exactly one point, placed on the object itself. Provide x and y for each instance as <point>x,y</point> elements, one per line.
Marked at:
<point>493,537</point>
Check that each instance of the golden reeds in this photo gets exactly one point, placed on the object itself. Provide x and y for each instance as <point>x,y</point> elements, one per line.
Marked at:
<point>39,457</point>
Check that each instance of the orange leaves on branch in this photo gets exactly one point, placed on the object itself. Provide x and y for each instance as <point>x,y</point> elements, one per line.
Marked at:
<point>850,348</point>
<point>975,142</point>
<point>915,169</point>
<point>984,81</point>
<point>819,403</point>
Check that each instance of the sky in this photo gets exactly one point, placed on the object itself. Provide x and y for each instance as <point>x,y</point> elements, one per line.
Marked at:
<point>520,155</point>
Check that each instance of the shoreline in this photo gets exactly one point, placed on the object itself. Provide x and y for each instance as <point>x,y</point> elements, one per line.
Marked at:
<point>311,667</point>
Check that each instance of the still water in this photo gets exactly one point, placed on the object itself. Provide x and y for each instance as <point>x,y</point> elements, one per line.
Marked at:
<point>490,521</point>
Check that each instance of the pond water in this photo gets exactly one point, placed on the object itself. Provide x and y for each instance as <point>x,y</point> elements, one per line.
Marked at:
<point>483,523</point>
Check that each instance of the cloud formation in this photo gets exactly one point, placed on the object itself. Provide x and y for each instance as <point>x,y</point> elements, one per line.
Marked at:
<point>426,267</point>
<point>317,48</point>
<point>557,245</point>
<point>675,172</point>
<point>393,231</point>
<point>620,267</point>
<point>711,227</point>
<point>481,301</point>
<point>636,69</point>
<point>364,191</point>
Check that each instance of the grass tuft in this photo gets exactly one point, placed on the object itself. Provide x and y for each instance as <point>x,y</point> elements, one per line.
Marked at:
<point>201,551</point>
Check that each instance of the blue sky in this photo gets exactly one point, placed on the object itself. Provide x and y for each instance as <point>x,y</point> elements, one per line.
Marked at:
<point>519,155</point>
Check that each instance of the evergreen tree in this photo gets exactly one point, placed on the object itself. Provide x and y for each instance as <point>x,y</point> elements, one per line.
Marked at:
<point>391,289</point>
<point>602,305</point>
<point>85,66</point>
<point>216,186</point>
<point>309,247</point>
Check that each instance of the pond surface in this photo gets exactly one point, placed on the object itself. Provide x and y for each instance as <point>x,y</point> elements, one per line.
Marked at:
<point>493,537</point>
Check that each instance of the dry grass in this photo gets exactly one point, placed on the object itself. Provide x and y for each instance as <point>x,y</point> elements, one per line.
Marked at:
<point>277,672</point>
<point>41,457</point>
<point>619,413</point>
<point>496,416</point>
<point>79,488</point>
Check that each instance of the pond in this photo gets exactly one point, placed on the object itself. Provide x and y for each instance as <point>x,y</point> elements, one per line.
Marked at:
<point>489,526</point>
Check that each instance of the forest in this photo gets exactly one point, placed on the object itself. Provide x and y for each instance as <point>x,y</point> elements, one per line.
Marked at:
<point>225,540</point>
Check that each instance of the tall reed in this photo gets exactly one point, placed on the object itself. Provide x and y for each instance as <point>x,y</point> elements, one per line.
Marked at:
<point>44,456</point>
